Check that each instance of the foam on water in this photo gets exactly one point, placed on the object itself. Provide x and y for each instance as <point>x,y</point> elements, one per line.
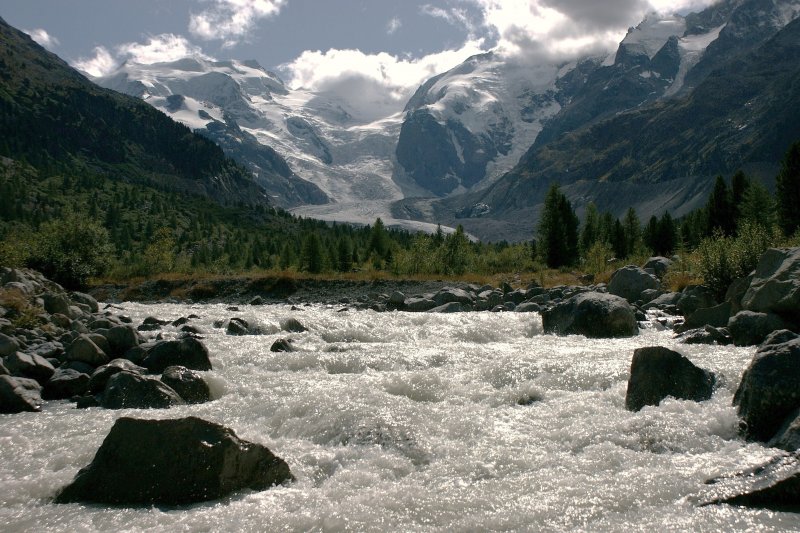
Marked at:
<point>418,422</point>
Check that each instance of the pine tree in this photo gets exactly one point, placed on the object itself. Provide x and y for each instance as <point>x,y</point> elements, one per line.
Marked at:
<point>740,183</point>
<point>633,230</point>
<point>758,206</point>
<point>558,230</point>
<point>591,223</point>
<point>719,209</point>
<point>787,191</point>
<point>311,259</point>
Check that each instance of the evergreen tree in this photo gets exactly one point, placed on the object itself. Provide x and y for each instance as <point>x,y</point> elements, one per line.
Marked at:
<point>666,238</point>
<point>311,259</point>
<point>344,253</point>
<point>758,206</point>
<point>558,230</point>
<point>740,183</point>
<point>618,242</point>
<point>719,209</point>
<point>378,240</point>
<point>633,230</point>
<point>591,227</point>
<point>456,252</point>
<point>787,191</point>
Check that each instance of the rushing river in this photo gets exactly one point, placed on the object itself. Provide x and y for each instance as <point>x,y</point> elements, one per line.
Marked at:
<point>418,422</point>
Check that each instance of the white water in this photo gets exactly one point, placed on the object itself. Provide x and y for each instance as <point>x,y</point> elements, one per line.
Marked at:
<point>410,422</point>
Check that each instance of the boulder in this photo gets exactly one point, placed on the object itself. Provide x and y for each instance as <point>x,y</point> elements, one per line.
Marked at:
<point>716,316</point>
<point>8,345</point>
<point>452,307</point>
<point>29,366</point>
<point>292,325</point>
<point>769,391</point>
<point>666,300</point>
<point>695,297</point>
<point>659,265</point>
<point>451,295</point>
<point>779,337</point>
<point>173,462</point>
<point>788,436</point>
<point>258,300</point>
<point>237,326</point>
<point>187,383</point>
<point>707,335</point>
<point>57,303</point>
<point>101,323</point>
<point>629,282</point>
<point>658,372</point>
<point>593,314</point>
<point>48,350</point>
<point>83,349</point>
<point>121,339</point>
<point>736,291</point>
<point>775,287</point>
<point>749,328</point>
<point>85,299</point>
<point>528,307</point>
<point>19,395</point>
<point>3,370</point>
<point>188,352</point>
<point>64,384</point>
<point>516,296</point>
<point>179,321</point>
<point>100,340</point>
<point>99,378</point>
<point>127,390</point>
<point>774,486</point>
<point>417,305</point>
<point>282,345</point>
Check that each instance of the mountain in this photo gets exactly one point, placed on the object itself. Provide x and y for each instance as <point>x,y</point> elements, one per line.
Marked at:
<point>716,98</point>
<point>55,119</point>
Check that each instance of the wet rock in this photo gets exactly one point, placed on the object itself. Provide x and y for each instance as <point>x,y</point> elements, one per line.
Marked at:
<point>452,307</point>
<point>774,486</point>
<point>716,316</point>
<point>292,325</point>
<point>101,323</point>
<point>187,383</point>
<point>127,390</point>
<point>397,299</point>
<point>749,328</point>
<point>180,321</point>
<point>65,383</point>
<point>99,378</point>
<point>695,297</point>
<point>19,395</point>
<point>282,345</point>
<point>592,314</point>
<point>779,337</point>
<point>83,349</point>
<point>775,287</point>
<point>658,372</point>
<point>629,282</point>
<point>191,330</point>
<point>707,335</point>
<point>769,391</point>
<point>8,345</point>
<point>29,366</point>
<point>188,352</point>
<point>663,301</point>
<point>3,370</point>
<point>121,339</point>
<point>100,340</point>
<point>173,462</point>
<point>528,307</point>
<point>418,305</point>
<point>788,436</point>
<point>258,300</point>
<point>452,295</point>
<point>236,326</point>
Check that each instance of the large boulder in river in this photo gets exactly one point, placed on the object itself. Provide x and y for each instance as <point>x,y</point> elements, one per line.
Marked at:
<point>173,462</point>
<point>65,384</point>
<point>127,390</point>
<point>748,328</point>
<point>84,350</point>
<point>102,374</point>
<point>775,287</point>
<point>629,282</point>
<point>770,390</point>
<point>29,366</point>
<point>188,352</point>
<point>658,372</point>
<point>187,383</point>
<point>592,314</point>
<point>18,395</point>
<point>121,339</point>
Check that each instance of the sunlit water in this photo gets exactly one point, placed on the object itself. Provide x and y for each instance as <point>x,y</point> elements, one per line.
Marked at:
<point>413,422</point>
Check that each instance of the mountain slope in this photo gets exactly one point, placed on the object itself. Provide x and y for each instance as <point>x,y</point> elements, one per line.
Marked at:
<point>53,117</point>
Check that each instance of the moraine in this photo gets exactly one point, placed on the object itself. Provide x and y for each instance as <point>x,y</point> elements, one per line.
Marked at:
<point>418,422</point>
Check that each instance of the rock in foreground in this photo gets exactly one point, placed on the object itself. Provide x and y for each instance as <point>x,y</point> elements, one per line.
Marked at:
<point>658,372</point>
<point>592,314</point>
<point>173,462</point>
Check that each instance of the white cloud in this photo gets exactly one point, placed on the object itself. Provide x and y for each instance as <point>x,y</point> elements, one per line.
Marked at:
<point>452,15</point>
<point>43,38</point>
<point>158,49</point>
<point>393,25</point>
<point>232,20</point>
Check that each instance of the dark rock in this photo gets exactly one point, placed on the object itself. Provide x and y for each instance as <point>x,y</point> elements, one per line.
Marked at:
<point>779,337</point>
<point>528,307</point>
<point>258,300</point>
<point>695,297</point>
<point>8,345</point>
<point>85,299</point>
<point>769,391</point>
<point>452,307</point>
<point>188,352</point>
<point>736,291</point>
<point>125,319</point>
<point>151,320</point>
<point>187,383</point>
<point>83,349</point>
<point>101,323</point>
<point>659,265</point>
<point>31,366</point>
<point>658,372</point>
<point>629,282</point>
<point>774,486</point>
<point>100,340</point>
<point>148,327</point>
<point>516,296</point>
<point>451,295</point>
<point>707,335</point>
<point>788,436</point>
<point>180,321</point>
<point>237,326</point>
<point>776,285</point>
<point>19,395</point>
<point>666,300</point>
<point>749,328</point>
<point>292,325</point>
<point>84,402</point>
<point>3,370</point>
<point>78,367</point>
<point>56,303</point>
<point>48,349</point>
<point>419,304</point>
<point>62,321</point>
<point>397,299</point>
<point>173,462</point>
<point>121,339</point>
<point>191,330</point>
<point>282,345</point>
<point>716,316</point>
<point>592,314</point>
<point>64,384</point>
<point>99,378</point>
<point>127,390</point>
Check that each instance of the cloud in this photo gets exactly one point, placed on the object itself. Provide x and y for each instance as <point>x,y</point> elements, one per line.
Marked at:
<point>393,25</point>
<point>455,16</point>
<point>43,38</point>
<point>232,20</point>
<point>158,49</point>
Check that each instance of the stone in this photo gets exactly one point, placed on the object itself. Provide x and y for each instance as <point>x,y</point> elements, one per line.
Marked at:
<point>83,349</point>
<point>180,321</point>
<point>450,295</point>
<point>593,314</point>
<point>19,395</point>
<point>788,436</point>
<point>417,305</point>
<point>173,462</point>
<point>282,345</point>
<point>716,316</point>
<point>769,391</point>
<point>706,335</point>
<point>258,300</point>
<point>695,297</point>
<point>31,366</point>
<point>659,265</point>
<point>528,307</point>
<point>121,339</point>
<point>749,328</point>
<point>452,307</point>
<point>666,300</point>
<point>100,340</point>
<point>736,291</point>
<point>99,378</point>
<point>62,321</point>
<point>516,296</point>
<point>3,370</point>
<point>292,325</point>
<point>187,383</point>
<point>658,372</point>
<point>188,352</point>
<point>775,287</point>
<point>56,303</point>
<point>128,390</point>
<point>8,345</point>
<point>779,337</point>
<point>85,299</point>
<point>237,326</point>
<point>397,299</point>
<point>101,323</point>
<point>64,384</point>
<point>629,282</point>
<point>48,350</point>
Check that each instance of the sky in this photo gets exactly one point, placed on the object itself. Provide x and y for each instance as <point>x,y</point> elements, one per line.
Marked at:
<point>394,45</point>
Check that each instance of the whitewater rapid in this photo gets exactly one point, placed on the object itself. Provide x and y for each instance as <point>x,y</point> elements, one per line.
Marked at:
<point>417,422</point>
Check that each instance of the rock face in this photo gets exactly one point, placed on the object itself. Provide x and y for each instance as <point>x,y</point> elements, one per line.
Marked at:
<point>770,390</point>
<point>592,314</point>
<point>188,352</point>
<point>126,390</point>
<point>18,395</point>
<point>775,287</point>
<point>629,282</point>
<point>173,462</point>
<point>658,372</point>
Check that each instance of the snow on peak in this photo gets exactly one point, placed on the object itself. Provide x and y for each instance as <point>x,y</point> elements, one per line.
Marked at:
<point>653,32</point>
